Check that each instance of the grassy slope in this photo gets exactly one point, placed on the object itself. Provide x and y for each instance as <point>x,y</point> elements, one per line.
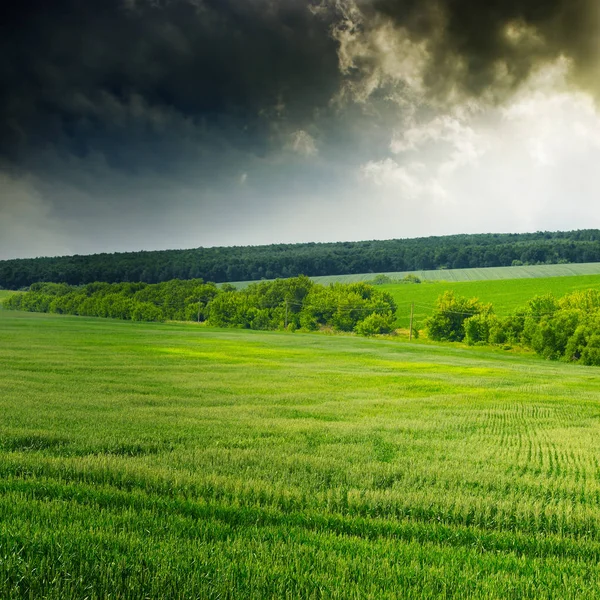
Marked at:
<point>489,273</point>
<point>505,295</point>
<point>172,461</point>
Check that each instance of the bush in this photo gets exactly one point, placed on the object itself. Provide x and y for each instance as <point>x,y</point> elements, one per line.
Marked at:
<point>146,311</point>
<point>541,307</point>
<point>549,335</point>
<point>375,324</point>
<point>586,300</point>
<point>410,278</point>
<point>447,321</point>
<point>584,344</point>
<point>508,329</point>
<point>577,342</point>
<point>343,306</point>
<point>591,353</point>
<point>380,280</point>
<point>481,328</point>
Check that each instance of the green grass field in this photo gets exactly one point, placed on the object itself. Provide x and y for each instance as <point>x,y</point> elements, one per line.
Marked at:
<point>505,295</point>
<point>481,274</point>
<point>175,461</point>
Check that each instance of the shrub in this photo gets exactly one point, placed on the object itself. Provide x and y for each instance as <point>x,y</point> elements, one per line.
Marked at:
<point>509,329</point>
<point>447,321</point>
<point>584,344</point>
<point>542,306</point>
<point>591,353</point>
<point>375,324</point>
<point>380,280</point>
<point>146,311</point>
<point>586,300</point>
<point>481,328</point>
<point>410,278</point>
<point>550,335</point>
<point>577,342</point>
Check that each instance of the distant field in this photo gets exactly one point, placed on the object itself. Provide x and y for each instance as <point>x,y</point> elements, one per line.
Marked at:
<point>175,461</point>
<point>484,274</point>
<point>5,294</point>
<point>505,295</point>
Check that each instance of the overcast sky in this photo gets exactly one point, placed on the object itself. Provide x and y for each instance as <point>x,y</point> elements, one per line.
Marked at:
<point>152,124</point>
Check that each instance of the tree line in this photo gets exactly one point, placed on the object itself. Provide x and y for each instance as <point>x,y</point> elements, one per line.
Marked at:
<point>566,328</point>
<point>227,264</point>
<point>296,303</point>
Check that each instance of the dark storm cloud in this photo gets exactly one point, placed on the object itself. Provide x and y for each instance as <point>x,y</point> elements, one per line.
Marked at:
<point>118,117</point>
<point>103,74</point>
<point>488,46</point>
<point>144,81</point>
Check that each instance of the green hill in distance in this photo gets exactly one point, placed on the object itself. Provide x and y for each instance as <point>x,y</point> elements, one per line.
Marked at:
<point>506,295</point>
<point>482,274</point>
<point>455,275</point>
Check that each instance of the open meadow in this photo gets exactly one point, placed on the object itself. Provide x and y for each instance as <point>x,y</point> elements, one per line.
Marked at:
<point>170,460</point>
<point>506,296</point>
<point>478,273</point>
<point>472,274</point>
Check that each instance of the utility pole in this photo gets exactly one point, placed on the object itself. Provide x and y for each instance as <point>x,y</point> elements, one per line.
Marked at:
<point>412,310</point>
<point>286,314</point>
<point>199,308</point>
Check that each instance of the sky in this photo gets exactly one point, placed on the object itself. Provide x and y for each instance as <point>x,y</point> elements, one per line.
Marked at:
<point>153,124</point>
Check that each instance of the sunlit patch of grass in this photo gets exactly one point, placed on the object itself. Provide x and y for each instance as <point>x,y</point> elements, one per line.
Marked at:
<point>231,353</point>
<point>177,461</point>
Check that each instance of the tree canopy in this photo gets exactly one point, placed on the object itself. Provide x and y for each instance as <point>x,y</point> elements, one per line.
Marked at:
<point>281,304</point>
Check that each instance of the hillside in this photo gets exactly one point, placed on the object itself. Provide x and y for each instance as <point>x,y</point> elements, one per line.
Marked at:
<point>312,259</point>
<point>506,295</point>
<point>475,274</point>
<point>479,274</point>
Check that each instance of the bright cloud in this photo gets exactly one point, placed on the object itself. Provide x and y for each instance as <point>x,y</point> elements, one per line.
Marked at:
<point>303,143</point>
<point>409,181</point>
<point>528,164</point>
